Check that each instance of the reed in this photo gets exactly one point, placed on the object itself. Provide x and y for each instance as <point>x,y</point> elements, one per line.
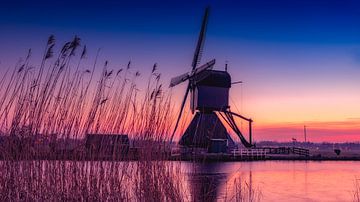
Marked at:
<point>240,190</point>
<point>65,101</point>
<point>356,192</point>
<point>62,100</point>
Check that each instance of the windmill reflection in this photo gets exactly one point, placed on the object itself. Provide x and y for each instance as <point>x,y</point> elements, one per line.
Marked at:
<point>212,182</point>
<point>206,181</point>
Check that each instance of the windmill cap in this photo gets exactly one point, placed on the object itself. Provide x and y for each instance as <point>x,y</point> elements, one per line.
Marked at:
<point>214,78</point>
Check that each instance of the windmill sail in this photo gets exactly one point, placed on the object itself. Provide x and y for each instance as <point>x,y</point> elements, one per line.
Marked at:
<point>204,67</point>
<point>196,60</point>
<point>181,110</point>
<point>179,79</point>
<point>201,40</point>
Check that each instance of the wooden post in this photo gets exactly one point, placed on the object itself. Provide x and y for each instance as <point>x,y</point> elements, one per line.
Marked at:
<point>250,131</point>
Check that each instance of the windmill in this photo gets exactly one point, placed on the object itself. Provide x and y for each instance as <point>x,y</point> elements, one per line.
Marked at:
<point>209,96</point>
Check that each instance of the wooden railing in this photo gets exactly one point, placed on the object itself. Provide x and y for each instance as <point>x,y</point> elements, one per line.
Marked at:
<point>287,150</point>
<point>257,153</point>
<point>300,151</point>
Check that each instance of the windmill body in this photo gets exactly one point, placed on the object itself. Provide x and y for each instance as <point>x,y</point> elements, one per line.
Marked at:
<point>209,96</point>
<point>210,91</point>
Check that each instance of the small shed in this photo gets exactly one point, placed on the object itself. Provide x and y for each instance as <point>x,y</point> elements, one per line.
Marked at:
<point>218,146</point>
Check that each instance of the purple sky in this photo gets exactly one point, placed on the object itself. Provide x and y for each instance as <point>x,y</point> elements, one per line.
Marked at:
<point>300,62</point>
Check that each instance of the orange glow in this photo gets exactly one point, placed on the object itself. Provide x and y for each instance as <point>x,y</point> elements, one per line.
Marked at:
<point>281,118</point>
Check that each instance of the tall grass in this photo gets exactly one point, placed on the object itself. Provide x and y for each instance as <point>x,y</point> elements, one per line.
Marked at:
<point>356,191</point>
<point>244,192</point>
<point>62,99</point>
<point>87,181</point>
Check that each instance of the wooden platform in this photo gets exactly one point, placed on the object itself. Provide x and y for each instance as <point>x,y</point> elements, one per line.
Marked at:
<point>263,153</point>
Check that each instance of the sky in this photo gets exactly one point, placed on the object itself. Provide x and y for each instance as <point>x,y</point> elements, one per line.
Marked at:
<point>299,60</point>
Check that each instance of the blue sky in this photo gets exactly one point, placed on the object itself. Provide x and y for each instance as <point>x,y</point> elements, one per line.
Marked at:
<point>304,21</point>
<point>299,60</point>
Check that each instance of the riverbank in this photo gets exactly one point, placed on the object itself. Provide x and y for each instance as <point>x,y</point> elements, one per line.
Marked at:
<point>135,155</point>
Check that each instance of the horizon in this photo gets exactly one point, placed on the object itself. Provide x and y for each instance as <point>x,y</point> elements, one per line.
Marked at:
<point>297,70</point>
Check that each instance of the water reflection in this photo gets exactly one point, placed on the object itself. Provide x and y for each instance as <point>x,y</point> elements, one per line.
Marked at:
<point>185,181</point>
<point>206,181</point>
<point>218,182</point>
<point>273,180</point>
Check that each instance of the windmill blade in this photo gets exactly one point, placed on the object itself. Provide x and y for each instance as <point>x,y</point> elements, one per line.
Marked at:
<point>201,39</point>
<point>204,67</point>
<point>179,79</point>
<point>181,110</point>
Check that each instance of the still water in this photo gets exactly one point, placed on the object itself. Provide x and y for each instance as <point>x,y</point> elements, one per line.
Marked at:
<point>180,181</point>
<point>276,180</point>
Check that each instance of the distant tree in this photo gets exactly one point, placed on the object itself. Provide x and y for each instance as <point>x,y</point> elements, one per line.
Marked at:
<point>337,151</point>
